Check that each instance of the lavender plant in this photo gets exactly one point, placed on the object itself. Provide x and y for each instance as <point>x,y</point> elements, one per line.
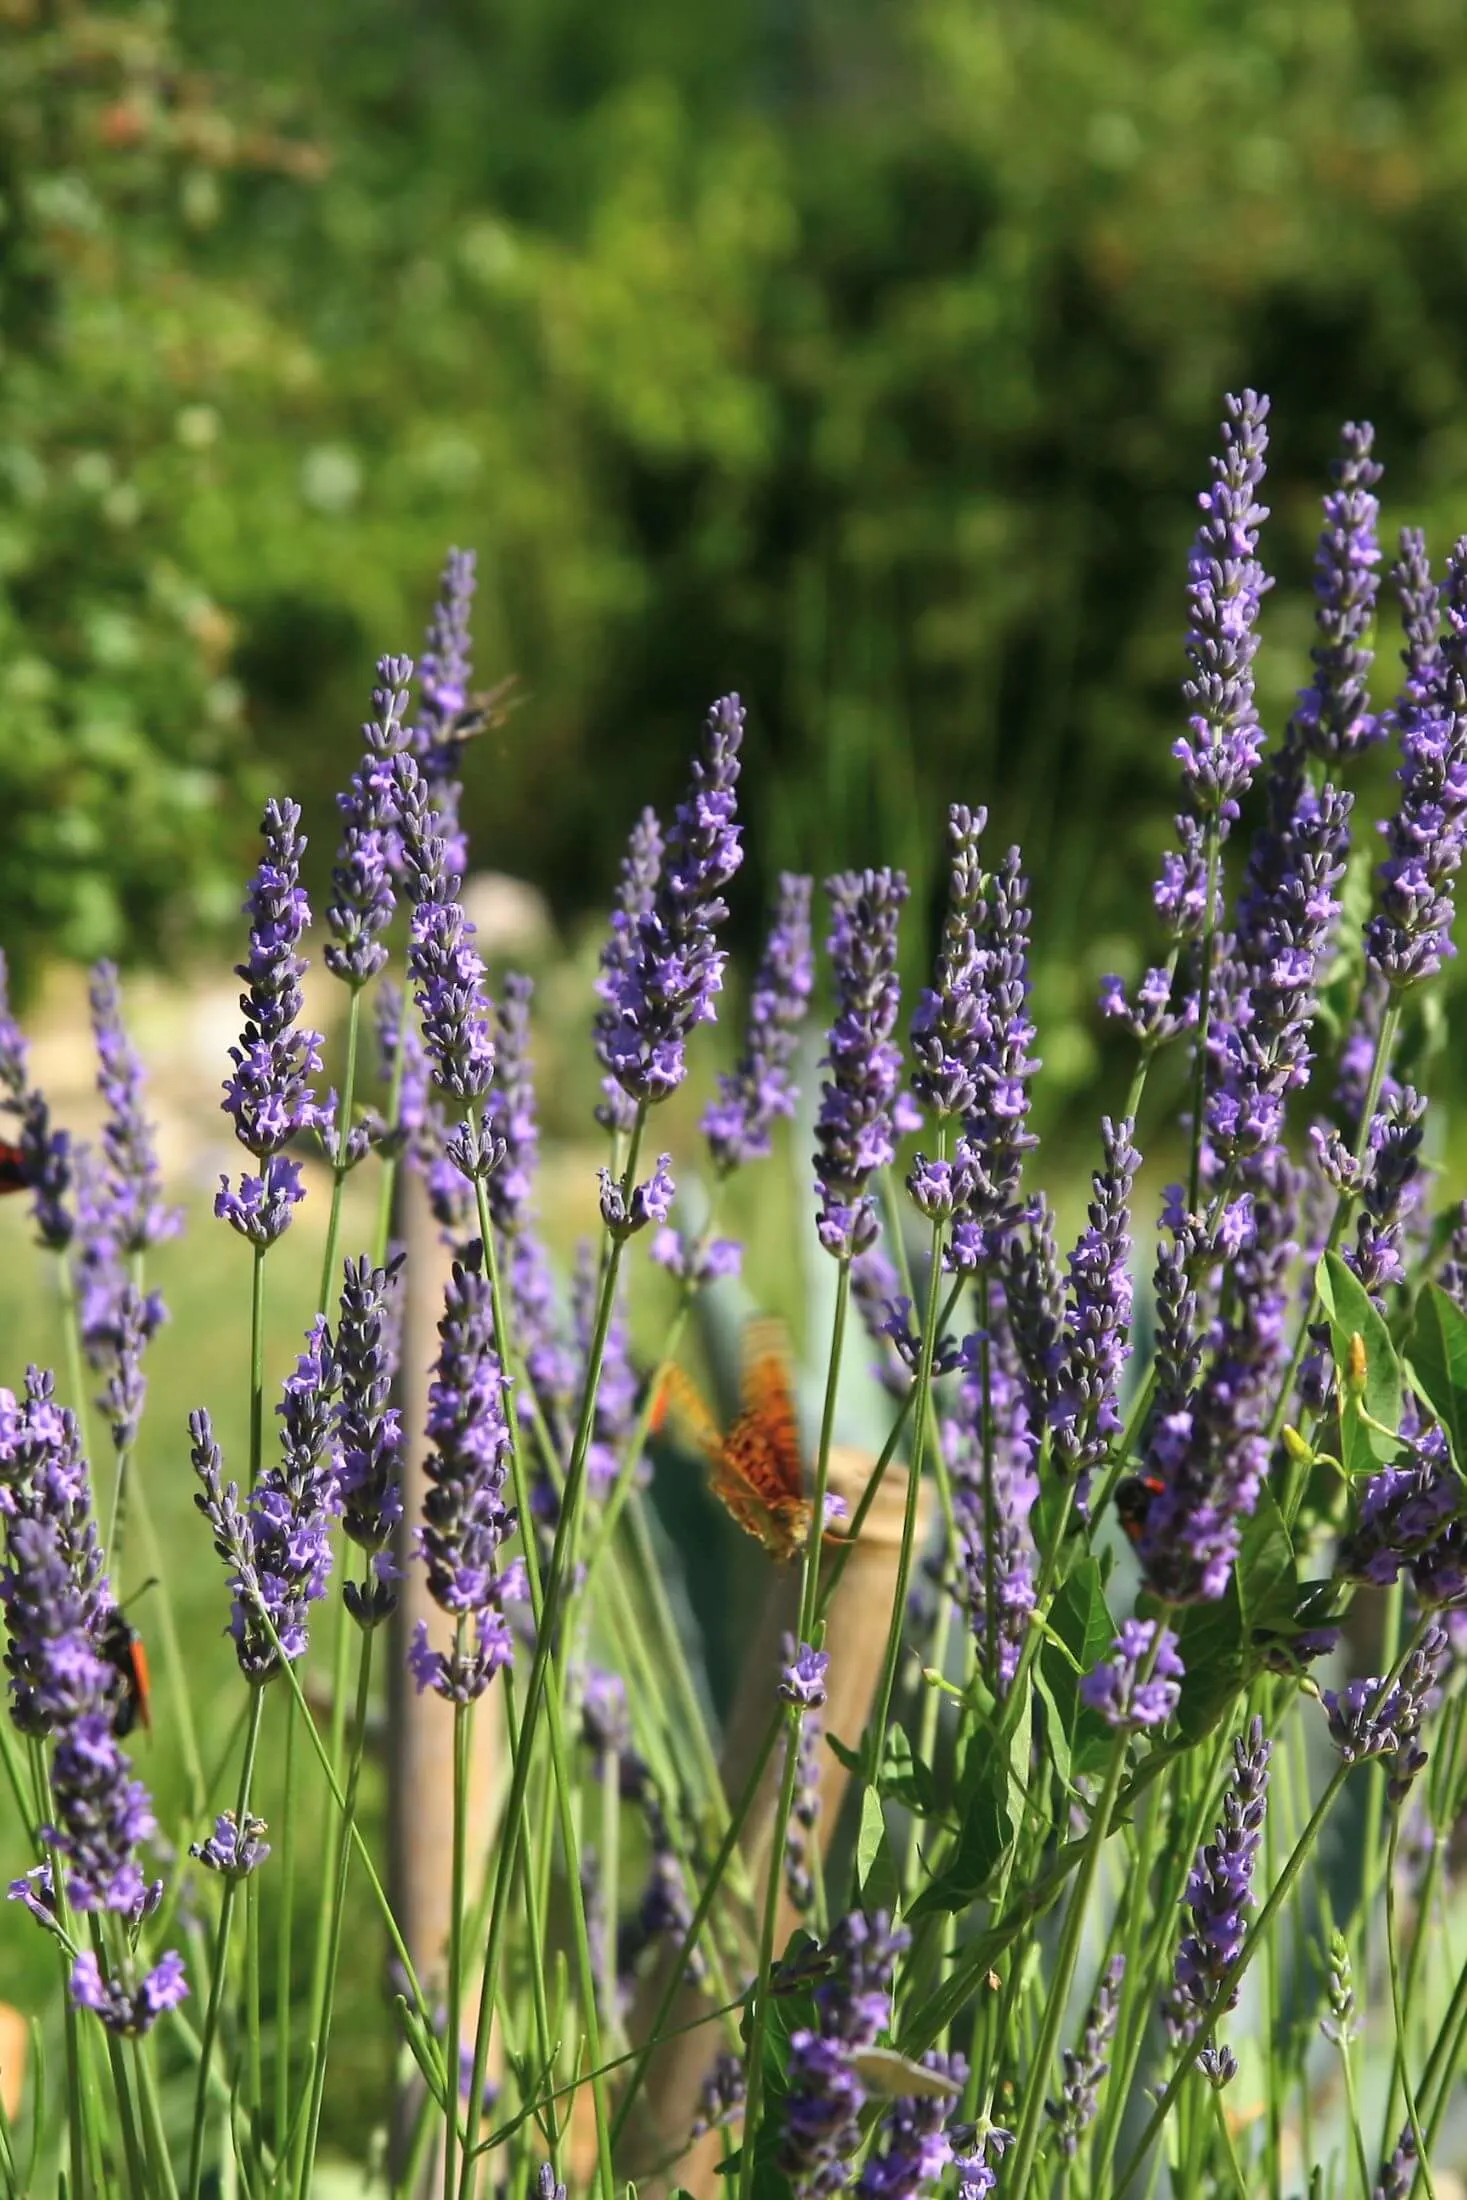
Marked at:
<point>1123,1648</point>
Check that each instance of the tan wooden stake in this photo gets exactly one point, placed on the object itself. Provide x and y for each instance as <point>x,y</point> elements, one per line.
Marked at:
<point>855,1637</point>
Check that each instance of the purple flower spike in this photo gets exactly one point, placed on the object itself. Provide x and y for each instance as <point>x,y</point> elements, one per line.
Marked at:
<point>52,1587</point>
<point>948,1031</point>
<point>1086,2065</point>
<point>856,1130</point>
<point>1116,1689</point>
<point>1369,1719</point>
<point>137,1217</point>
<point>1410,935</point>
<point>510,1110</point>
<point>1332,718</point>
<point>45,1152</point>
<point>1398,2175</point>
<point>269,1096</point>
<point>368,1427</point>
<point>447,969</point>
<point>362,899</point>
<point>826,2096</point>
<point>666,974</point>
<point>739,1124</point>
<point>996,1134</point>
<point>1219,1892</point>
<point>447,717</point>
<point>640,869</point>
<point>465,1518</point>
<point>128,2009</point>
<point>995,1550</point>
<point>1092,1356</point>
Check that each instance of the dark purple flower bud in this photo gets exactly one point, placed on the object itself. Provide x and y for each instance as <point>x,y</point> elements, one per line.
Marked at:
<point>230,1851</point>
<point>1410,934</point>
<point>649,1202</point>
<point>721,2101</point>
<point>856,1130</point>
<point>665,980</point>
<point>473,1150</point>
<point>803,1679</point>
<point>640,870</point>
<point>1220,1890</point>
<point>1087,2064</point>
<point>446,715</point>
<point>740,1123</point>
<point>465,1518</point>
<point>1371,1718</point>
<point>1398,2175</point>
<point>1083,1414</point>
<point>948,1027</point>
<point>447,969</point>
<point>545,2186</point>
<point>1332,718</point>
<point>996,1136</point>
<point>697,1263</point>
<point>128,2008</point>
<point>368,1425</point>
<point>45,1152</point>
<point>362,899</point>
<point>995,1554</point>
<point>1218,2065</point>
<point>901,1329</point>
<point>1116,1688</point>
<point>269,1096</point>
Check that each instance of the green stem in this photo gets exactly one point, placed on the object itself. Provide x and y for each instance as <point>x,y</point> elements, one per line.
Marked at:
<point>455,1932</point>
<point>757,2021</point>
<point>219,1967</point>
<point>319,2037</point>
<point>1423,2152</point>
<point>284,1945</point>
<point>881,1707</point>
<point>257,1364</point>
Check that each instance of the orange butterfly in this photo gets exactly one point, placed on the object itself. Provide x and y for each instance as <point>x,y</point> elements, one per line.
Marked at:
<point>758,1469</point>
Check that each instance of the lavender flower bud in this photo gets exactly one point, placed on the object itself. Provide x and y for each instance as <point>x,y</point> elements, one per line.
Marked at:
<point>1332,718</point>
<point>947,1027</point>
<point>233,1853</point>
<point>362,899</point>
<point>137,1217</point>
<point>1087,2064</point>
<point>368,1426</point>
<point>641,867</point>
<point>996,1136</point>
<point>1084,1411</point>
<point>1398,2175</point>
<point>509,1112</point>
<point>446,717</point>
<point>649,1202</point>
<point>1219,1891</point>
<point>856,1128</point>
<point>1116,1688</point>
<point>665,981</point>
<point>740,1123</point>
<point>803,1679</point>
<point>45,1152</point>
<point>447,970</point>
<point>913,2144</point>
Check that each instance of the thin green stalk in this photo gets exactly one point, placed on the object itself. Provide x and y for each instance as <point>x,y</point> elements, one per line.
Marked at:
<point>1375,1794</point>
<point>319,2037</point>
<point>1027,2143</point>
<point>455,1932</point>
<point>137,2176</point>
<point>881,1707</point>
<point>257,1364</point>
<point>219,1967</point>
<point>1278,1894</point>
<point>285,1937</point>
<point>1393,1964</point>
<point>254,2045</point>
<point>164,2184</point>
<point>758,2018</point>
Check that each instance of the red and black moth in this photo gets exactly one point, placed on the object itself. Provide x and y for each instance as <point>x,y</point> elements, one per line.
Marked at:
<point>14,1175</point>
<point>122,1646</point>
<point>1133,1502</point>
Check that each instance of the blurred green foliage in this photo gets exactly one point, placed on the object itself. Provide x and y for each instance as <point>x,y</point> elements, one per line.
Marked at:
<point>867,358</point>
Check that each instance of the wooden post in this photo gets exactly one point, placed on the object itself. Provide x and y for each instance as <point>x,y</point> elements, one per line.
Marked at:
<point>855,1636</point>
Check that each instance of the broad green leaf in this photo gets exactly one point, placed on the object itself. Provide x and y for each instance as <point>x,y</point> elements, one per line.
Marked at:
<point>1268,1579</point>
<point>903,1776</point>
<point>1210,1637</point>
<point>876,1872</point>
<point>1081,1619</point>
<point>1351,1314</point>
<point>1437,1357</point>
<point>985,1831</point>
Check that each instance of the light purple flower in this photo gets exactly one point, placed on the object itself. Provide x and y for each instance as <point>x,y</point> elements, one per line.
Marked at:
<point>362,898</point>
<point>858,1122</point>
<point>1116,1689</point>
<point>752,1098</point>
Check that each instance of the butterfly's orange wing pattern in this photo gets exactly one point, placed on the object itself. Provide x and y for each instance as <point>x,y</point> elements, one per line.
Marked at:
<point>758,1467</point>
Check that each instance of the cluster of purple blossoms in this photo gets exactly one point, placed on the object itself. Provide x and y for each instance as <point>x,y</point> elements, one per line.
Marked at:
<point>826,2095</point>
<point>448,715</point>
<point>752,1098</point>
<point>446,968</point>
<point>369,1429</point>
<point>857,1127</point>
<point>1379,1718</point>
<point>269,1096</point>
<point>996,1136</point>
<point>995,1556</point>
<point>45,1152</point>
<point>232,1850</point>
<point>465,1518</point>
<point>914,2145</point>
<point>1411,1516</point>
<point>56,1604</point>
<point>948,1034</point>
<point>641,867</point>
<point>362,897</point>
<point>277,1545</point>
<point>1332,718</point>
<point>1085,2065</point>
<point>1410,934</point>
<point>1140,1683</point>
<point>1091,1355</point>
<point>661,974</point>
<point>1219,1891</point>
<point>977,2177</point>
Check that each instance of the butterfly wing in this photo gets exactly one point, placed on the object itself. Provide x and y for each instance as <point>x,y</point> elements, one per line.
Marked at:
<point>760,1477</point>
<point>679,1406</point>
